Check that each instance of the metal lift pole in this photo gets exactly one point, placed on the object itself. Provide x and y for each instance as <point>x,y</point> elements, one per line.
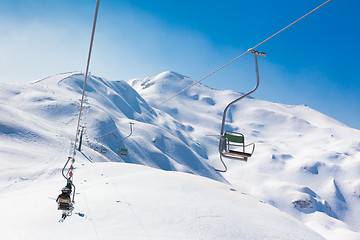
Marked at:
<point>247,94</point>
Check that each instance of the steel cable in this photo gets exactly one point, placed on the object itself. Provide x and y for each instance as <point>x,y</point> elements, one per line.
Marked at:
<point>225,65</point>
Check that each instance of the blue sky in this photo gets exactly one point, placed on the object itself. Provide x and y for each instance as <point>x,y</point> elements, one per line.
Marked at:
<point>315,62</point>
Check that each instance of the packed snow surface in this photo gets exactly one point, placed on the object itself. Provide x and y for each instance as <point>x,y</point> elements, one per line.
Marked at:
<point>126,201</point>
<point>301,183</point>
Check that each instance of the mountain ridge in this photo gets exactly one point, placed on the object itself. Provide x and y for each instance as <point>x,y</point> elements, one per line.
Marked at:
<point>305,163</point>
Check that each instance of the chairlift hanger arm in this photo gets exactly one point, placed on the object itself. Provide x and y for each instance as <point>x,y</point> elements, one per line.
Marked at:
<point>247,94</point>
<point>225,167</point>
<point>68,178</point>
<point>131,123</point>
<point>65,167</point>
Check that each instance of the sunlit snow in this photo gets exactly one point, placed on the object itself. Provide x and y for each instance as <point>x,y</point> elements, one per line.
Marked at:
<point>301,183</point>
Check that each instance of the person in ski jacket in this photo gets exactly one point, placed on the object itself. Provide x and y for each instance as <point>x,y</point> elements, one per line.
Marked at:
<point>64,201</point>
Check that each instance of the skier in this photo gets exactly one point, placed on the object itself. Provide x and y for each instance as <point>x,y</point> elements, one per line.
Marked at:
<point>64,200</point>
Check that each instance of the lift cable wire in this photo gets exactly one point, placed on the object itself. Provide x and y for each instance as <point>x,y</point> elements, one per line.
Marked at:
<point>210,74</point>
<point>69,175</point>
<point>253,48</point>
<point>86,77</point>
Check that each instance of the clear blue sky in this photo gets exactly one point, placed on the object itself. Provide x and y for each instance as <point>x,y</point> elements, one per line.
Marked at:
<point>315,62</point>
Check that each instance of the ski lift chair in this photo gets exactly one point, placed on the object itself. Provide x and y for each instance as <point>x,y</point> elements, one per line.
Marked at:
<point>104,150</point>
<point>123,152</point>
<point>64,203</point>
<point>232,145</point>
<point>64,199</point>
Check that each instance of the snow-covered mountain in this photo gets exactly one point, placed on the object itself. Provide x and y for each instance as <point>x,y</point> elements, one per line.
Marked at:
<point>305,164</point>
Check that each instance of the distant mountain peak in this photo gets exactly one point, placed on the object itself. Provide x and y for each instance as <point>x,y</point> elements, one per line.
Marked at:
<point>167,82</point>
<point>56,78</point>
<point>170,75</point>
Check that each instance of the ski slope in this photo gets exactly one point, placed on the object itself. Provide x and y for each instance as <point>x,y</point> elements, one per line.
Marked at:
<point>305,166</point>
<point>305,163</point>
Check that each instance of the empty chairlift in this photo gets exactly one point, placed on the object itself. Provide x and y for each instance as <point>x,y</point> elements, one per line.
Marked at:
<point>123,152</point>
<point>232,144</point>
<point>235,146</point>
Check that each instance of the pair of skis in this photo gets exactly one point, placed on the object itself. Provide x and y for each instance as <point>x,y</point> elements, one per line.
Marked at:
<point>66,214</point>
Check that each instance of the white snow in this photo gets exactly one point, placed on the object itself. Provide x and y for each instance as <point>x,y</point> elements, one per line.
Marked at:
<point>126,201</point>
<point>302,179</point>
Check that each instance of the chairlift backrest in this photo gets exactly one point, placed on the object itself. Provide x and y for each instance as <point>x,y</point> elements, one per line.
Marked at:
<point>123,152</point>
<point>234,138</point>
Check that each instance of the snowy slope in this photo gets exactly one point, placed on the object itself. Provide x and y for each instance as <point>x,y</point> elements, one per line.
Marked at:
<point>305,164</point>
<point>125,201</point>
<point>50,106</point>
